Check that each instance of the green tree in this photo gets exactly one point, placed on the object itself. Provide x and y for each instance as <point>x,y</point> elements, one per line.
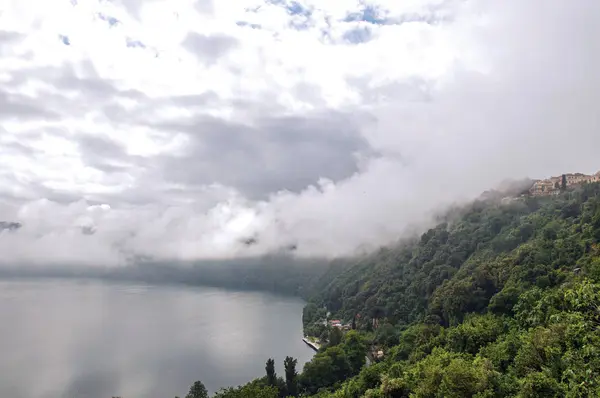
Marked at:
<point>270,368</point>
<point>317,373</point>
<point>340,366</point>
<point>475,332</point>
<point>291,376</point>
<point>355,349</point>
<point>540,385</point>
<point>386,335</point>
<point>563,183</point>
<point>197,390</point>
<point>251,390</point>
<point>335,337</point>
<point>326,369</point>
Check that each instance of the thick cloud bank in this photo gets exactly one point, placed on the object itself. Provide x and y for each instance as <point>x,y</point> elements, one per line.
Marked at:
<point>189,130</point>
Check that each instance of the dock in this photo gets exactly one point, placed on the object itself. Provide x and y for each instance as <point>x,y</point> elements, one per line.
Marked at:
<point>312,345</point>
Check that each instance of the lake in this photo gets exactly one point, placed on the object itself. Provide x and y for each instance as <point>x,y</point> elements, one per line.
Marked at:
<point>89,339</point>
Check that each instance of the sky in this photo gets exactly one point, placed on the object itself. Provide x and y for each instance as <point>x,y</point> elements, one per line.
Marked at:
<point>180,129</point>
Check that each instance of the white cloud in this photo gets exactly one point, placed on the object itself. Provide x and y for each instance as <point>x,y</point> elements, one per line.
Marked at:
<point>179,129</point>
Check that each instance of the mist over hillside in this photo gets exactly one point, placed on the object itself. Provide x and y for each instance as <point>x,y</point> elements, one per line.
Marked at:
<point>281,272</point>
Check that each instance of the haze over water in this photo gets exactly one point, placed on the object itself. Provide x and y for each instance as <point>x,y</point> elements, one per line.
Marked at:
<point>90,339</point>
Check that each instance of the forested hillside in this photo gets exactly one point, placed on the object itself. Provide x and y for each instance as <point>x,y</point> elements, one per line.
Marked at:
<point>480,260</point>
<point>502,299</point>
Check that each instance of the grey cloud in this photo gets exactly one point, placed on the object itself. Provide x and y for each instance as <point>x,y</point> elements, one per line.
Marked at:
<point>436,13</point>
<point>16,147</point>
<point>209,48</point>
<point>92,87</point>
<point>358,35</point>
<point>106,155</point>
<point>7,39</point>
<point>134,7</point>
<point>411,90</point>
<point>531,111</point>
<point>34,191</point>
<point>39,190</point>
<point>95,384</point>
<point>100,146</point>
<point>89,87</point>
<point>278,153</point>
<point>309,93</point>
<point>190,101</point>
<point>94,94</point>
<point>15,106</point>
<point>9,42</point>
<point>87,83</point>
<point>97,151</point>
<point>147,107</point>
<point>204,6</point>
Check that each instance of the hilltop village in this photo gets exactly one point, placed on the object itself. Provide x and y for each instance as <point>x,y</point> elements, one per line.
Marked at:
<point>555,185</point>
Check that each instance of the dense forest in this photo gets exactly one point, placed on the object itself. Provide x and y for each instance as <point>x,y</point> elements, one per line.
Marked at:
<point>501,299</point>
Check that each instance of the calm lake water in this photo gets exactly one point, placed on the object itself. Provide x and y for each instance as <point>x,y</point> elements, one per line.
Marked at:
<point>88,339</point>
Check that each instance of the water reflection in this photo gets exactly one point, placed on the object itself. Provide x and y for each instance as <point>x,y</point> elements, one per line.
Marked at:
<point>89,339</point>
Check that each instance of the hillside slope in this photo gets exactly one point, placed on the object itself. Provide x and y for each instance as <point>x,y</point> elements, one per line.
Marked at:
<point>483,253</point>
<point>501,300</point>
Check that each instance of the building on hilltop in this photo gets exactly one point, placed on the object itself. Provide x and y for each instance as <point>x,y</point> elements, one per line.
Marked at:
<point>544,187</point>
<point>577,178</point>
<point>552,185</point>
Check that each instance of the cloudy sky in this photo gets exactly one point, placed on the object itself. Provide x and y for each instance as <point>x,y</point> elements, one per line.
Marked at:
<point>176,129</point>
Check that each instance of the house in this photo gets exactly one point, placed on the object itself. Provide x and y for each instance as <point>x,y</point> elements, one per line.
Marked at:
<point>336,323</point>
